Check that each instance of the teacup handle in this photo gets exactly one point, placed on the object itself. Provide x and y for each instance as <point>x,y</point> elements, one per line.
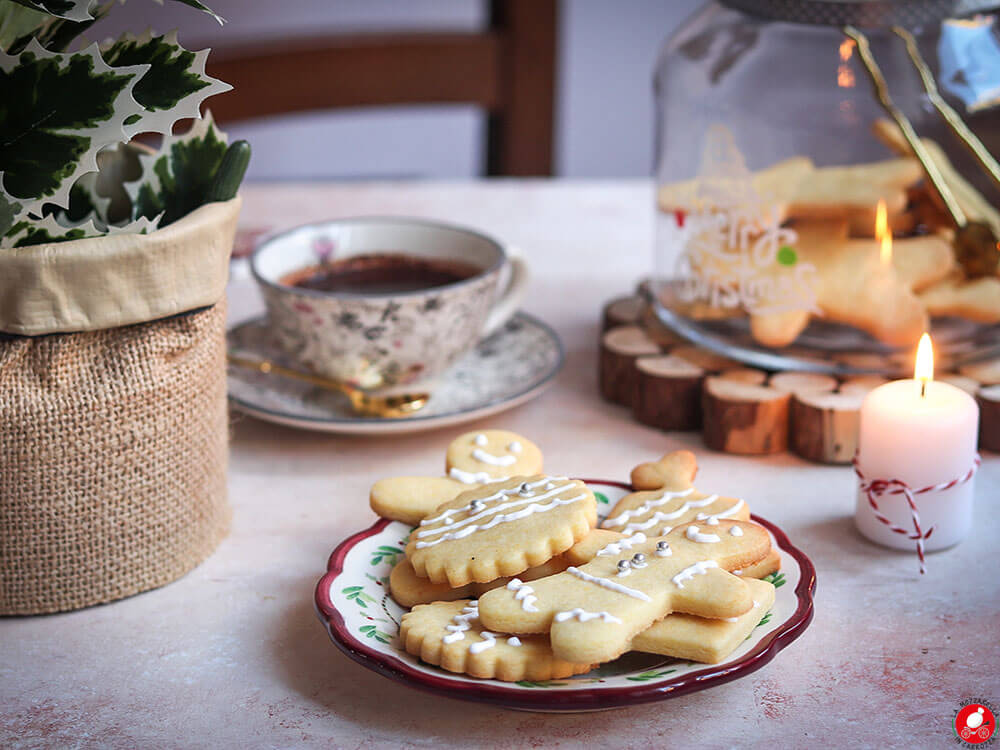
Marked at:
<point>510,298</point>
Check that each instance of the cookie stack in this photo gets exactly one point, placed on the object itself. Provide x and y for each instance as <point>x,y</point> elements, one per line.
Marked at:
<point>512,580</point>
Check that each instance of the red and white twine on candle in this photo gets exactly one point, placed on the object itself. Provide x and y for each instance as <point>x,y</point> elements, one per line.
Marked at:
<point>876,488</point>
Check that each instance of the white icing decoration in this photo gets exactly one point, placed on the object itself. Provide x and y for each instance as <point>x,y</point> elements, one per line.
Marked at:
<point>480,439</point>
<point>515,447</point>
<point>513,641</point>
<point>738,572</point>
<point>694,535</point>
<point>488,458</point>
<point>583,616</point>
<point>466,526</point>
<point>735,531</point>
<point>615,548</point>
<point>666,530</point>
<point>456,631</point>
<point>605,583</point>
<point>727,513</point>
<point>524,594</point>
<point>489,641</point>
<point>699,568</point>
<point>731,619</point>
<point>449,521</point>
<point>656,502</point>
<point>710,520</point>
<point>756,604</point>
<point>658,516</point>
<point>473,477</point>
<point>499,495</point>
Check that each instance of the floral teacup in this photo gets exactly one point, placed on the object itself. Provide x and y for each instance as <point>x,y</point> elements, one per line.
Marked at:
<point>384,342</point>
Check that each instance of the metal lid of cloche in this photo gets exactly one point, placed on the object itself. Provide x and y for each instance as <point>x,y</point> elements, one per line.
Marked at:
<point>862,13</point>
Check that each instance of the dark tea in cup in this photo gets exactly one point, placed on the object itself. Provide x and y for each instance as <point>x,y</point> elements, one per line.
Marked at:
<point>380,274</point>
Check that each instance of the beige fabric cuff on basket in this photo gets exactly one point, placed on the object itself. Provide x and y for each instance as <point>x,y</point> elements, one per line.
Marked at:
<point>51,288</point>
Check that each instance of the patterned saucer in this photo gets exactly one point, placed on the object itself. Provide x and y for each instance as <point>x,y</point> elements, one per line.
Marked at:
<point>506,369</point>
<point>353,602</point>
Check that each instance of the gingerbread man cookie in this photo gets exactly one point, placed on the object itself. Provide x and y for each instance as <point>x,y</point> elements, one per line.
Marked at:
<point>450,635</point>
<point>676,502</point>
<point>501,529</point>
<point>593,612</point>
<point>701,639</point>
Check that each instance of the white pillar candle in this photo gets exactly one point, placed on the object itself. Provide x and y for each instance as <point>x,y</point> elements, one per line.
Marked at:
<point>923,433</point>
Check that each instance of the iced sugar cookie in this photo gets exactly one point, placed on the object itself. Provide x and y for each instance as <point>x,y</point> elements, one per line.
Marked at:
<point>607,542</point>
<point>411,499</point>
<point>408,589</point>
<point>675,471</point>
<point>450,635</point>
<point>501,529</point>
<point>593,612</point>
<point>488,455</point>
<point>658,512</point>
<point>701,639</point>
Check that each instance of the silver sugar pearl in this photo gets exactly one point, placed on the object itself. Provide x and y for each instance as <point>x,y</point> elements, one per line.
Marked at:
<point>477,505</point>
<point>638,557</point>
<point>524,489</point>
<point>623,565</point>
<point>661,546</point>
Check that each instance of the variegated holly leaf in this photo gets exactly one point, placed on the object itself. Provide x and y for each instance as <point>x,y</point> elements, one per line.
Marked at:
<point>8,212</point>
<point>176,179</point>
<point>202,7</point>
<point>80,10</point>
<point>58,228</point>
<point>84,203</point>
<point>174,86</point>
<point>53,33</point>
<point>57,112</point>
<point>72,10</point>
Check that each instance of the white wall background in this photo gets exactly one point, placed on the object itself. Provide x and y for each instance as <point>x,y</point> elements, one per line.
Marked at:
<point>603,102</point>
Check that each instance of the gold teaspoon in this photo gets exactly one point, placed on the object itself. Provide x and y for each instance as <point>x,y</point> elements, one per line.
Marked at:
<point>367,404</point>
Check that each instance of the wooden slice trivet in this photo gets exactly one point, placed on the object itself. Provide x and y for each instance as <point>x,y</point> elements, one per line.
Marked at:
<point>668,393</point>
<point>744,418</point>
<point>675,386</point>
<point>989,417</point>
<point>803,382</point>
<point>622,311</point>
<point>862,383</point>
<point>986,372</point>
<point>620,347</point>
<point>745,375</point>
<point>825,425</point>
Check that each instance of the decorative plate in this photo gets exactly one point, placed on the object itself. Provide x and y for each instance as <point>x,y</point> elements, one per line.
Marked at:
<point>353,602</point>
<point>506,369</point>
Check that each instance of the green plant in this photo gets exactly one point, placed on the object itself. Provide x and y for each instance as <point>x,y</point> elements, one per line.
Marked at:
<point>66,110</point>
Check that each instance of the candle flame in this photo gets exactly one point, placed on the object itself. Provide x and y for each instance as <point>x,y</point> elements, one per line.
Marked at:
<point>923,370</point>
<point>845,76</point>
<point>883,234</point>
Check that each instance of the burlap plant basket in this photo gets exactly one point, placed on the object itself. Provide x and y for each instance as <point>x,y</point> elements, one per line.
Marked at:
<point>113,424</point>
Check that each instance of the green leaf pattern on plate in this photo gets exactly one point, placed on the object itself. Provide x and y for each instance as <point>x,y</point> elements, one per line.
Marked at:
<point>775,579</point>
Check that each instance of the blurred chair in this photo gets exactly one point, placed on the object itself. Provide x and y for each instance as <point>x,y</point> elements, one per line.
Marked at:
<point>508,70</point>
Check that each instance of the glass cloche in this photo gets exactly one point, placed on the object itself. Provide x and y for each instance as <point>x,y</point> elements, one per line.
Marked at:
<point>797,225</point>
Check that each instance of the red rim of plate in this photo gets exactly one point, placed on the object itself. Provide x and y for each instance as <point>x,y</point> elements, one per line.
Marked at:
<point>554,699</point>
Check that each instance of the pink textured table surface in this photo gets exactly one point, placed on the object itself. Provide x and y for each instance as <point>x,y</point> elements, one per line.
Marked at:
<point>232,655</point>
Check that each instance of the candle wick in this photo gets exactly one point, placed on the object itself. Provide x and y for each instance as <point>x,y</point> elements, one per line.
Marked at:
<point>923,387</point>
